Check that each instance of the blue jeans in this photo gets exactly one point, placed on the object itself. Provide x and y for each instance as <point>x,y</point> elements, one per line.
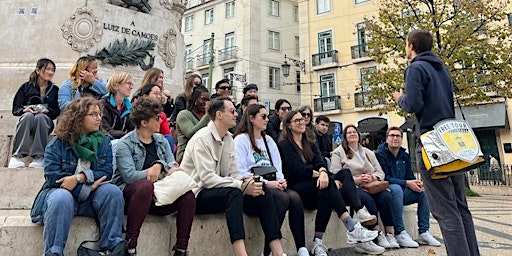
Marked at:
<point>407,196</point>
<point>105,203</point>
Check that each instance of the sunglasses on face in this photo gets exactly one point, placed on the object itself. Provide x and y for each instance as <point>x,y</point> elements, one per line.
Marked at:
<point>232,111</point>
<point>225,88</point>
<point>285,108</point>
<point>264,116</point>
<point>306,114</point>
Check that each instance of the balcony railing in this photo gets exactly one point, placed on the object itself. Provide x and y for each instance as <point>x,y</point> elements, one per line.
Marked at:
<point>362,99</point>
<point>228,53</point>
<point>328,103</point>
<point>189,62</point>
<point>359,51</point>
<point>203,59</point>
<point>325,58</point>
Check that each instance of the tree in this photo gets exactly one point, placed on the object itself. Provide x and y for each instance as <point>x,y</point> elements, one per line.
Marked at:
<point>472,37</point>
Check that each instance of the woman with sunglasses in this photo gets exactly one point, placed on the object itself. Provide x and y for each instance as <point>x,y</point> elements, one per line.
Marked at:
<point>143,157</point>
<point>254,148</point>
<point>36,104</point>
<point>365,167</point>
<point>78,166</point>
<point>181,100</point>
<point>307,174</point>
<point>193,119</point>
<point>274,126</point>
<point>83,81</point>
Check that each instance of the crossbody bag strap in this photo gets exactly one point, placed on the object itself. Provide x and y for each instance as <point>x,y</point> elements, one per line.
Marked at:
<point>268,151</point>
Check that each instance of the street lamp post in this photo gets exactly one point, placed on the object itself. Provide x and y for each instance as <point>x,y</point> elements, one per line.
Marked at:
<point>301,64</point>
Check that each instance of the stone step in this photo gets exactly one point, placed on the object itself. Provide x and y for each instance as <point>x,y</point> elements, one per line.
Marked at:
<point>19,187</point>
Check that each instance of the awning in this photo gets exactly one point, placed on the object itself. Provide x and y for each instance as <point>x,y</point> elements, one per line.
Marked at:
<point>372,125</point>
<point>484,116</point>
<point>408,124</point>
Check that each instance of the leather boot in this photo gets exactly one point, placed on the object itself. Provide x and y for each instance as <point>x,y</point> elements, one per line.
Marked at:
<point>179,253</point>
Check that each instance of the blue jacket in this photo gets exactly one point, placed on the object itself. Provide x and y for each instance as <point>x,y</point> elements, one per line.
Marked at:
<point>67,94</point>
<point>428,91</point>
<point>131,154</point>
<point>397,169</point>
<point>60,161</point>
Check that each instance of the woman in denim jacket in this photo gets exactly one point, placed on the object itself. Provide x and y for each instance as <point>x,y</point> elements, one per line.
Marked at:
<point>143,157</point>
<point>77,164</point>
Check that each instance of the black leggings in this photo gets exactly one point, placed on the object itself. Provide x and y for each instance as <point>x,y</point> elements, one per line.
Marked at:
<point>349,189</point>
<point>325,200</point>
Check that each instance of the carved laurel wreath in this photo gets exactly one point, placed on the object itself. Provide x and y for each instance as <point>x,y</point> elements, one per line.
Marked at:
<point>124,53</point>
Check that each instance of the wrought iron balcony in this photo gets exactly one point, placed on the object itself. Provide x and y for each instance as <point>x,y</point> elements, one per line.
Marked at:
<point>359,51</point>
<point>325,58</point>
<point>328,103</point>
<point>203,59</point>
<point>362,99</point>
<point>228,53</point>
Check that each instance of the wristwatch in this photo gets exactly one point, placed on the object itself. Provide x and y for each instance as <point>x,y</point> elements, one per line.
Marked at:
<point>79,178</point>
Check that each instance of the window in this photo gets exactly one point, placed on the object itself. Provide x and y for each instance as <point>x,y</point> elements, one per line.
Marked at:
<point>208,16</point>
<point>327,87</point>
<point>206,52</point>
<point>273,8</point>
<point>365,73</point>
<point>360,32</point>
<point>297,79</point>
<point>323,6</point>
<point>325,41</point>
<point>230,9</point>
<point>205,77</point>
<point>188,56</point>
<point>274,75</point>
<point>189,23</point>
<point>229,45</point>
<point>296,13</point>
<point>297,45</point>
<point>227,74</point>
<point>361,1</point>
<point>274,40</point>
<point>509,17</point>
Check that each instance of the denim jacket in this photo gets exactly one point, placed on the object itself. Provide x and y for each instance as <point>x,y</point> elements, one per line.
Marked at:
<point>130,156</point>
<point>60,161</point>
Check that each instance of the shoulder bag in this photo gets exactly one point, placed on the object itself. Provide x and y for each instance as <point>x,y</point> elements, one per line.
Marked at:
<point>266,172</point>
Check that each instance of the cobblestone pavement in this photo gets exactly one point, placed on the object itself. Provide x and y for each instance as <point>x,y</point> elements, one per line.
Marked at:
<point>492,215</point>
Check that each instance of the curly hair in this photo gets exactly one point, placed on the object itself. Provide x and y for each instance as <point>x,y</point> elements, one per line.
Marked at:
<point>196,94</point>
<point>246,125</point>
<point>145,109</point>
<point>72,120</point>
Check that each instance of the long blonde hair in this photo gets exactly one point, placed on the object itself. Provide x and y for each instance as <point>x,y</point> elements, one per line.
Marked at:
<point>81,64</point>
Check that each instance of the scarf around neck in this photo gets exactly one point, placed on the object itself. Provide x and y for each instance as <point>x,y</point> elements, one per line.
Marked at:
<point>86,146</point>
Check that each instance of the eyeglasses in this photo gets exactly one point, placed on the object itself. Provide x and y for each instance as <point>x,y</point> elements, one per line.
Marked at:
<point>395,136</point>
<point>306,114</point>
<point>129,83</point>
<point>232,111</point>
<point>298,120</point>
<point>97,115</point>
<point>285,108</point>
<point>264,116</point>
<point>225,88</point>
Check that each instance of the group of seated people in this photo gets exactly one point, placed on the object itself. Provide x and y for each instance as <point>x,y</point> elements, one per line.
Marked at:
<point>85,176</point>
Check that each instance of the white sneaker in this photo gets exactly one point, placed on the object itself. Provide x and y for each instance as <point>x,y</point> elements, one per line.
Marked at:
<point>392,241</point>
<point>318,249</point>
<point>428,239</point>
<point>364,217</point>
<point>404,240</point>
<point>302,252</point>
<point>37,162</point>
<point>360,234</point>
<point>16,162</point>
<point>382,241</point>
<point>369,248</point>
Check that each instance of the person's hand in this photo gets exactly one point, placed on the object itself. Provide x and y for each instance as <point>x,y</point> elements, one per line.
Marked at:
<point>366,178</point>
<point>255,189</point>
<point>167,94</point>
<point>153,172</point>
<point>339,185</point>
<point>414,185</point>
<point>283,184</point>
<point>397,95</point>
<point>274,184</point>
<point>172,170</point>
<point>323,180</point>
<point>99,182</point>
<point>68,182</point>
<point>87,76</point>
<point>29,109</point>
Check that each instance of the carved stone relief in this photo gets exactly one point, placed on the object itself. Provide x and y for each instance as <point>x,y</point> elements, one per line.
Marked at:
<point>82,29</point>
<point>167,48</point>
<point>174,5</point>
<point>139,5</point>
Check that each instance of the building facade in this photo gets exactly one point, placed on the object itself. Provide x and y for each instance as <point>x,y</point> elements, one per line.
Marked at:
<point>246,42</point>
<point>337,65</point>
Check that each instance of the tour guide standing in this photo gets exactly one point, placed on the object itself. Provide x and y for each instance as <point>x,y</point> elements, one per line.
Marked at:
<point>429,95</point>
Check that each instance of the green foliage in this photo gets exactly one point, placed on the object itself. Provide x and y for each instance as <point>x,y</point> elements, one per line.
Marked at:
<point>472,37</point>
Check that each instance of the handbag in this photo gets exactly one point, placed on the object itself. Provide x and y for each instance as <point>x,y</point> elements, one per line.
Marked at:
<point>119,250</point>
<point>451,148</point>
<point>266,172</point>
<point>375,186</point>
<point>171,187</point>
